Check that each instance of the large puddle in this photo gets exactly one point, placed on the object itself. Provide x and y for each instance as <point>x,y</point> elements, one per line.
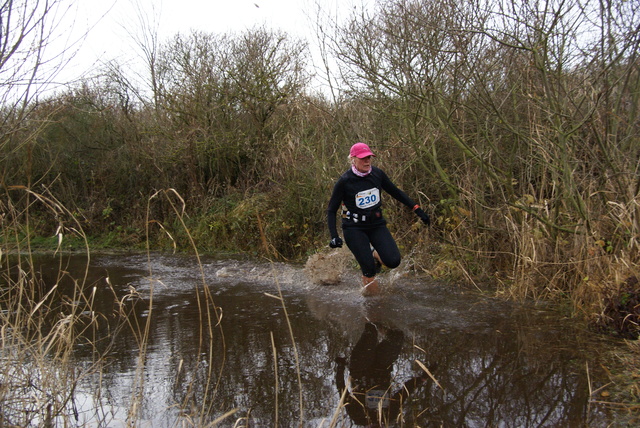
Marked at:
<point>422,354</point>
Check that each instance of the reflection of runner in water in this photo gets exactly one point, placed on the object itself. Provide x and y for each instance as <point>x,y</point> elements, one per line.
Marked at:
<point>371,401</point>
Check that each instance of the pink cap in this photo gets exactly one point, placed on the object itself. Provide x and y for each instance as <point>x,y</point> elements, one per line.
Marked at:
<point>360,150</point>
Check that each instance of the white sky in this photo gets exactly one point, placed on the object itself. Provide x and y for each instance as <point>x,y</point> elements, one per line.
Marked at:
<point>111,23</point>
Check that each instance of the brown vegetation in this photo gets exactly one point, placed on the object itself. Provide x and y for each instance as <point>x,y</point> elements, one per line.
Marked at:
<point>517,126</point>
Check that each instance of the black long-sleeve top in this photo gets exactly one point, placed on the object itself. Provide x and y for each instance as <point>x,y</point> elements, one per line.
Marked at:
<point>362,196</point>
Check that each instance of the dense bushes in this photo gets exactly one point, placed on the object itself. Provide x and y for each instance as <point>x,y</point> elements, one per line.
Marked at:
<point>517,131</point>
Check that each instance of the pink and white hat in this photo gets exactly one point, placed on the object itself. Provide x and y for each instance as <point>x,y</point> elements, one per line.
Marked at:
<point>360,150</point>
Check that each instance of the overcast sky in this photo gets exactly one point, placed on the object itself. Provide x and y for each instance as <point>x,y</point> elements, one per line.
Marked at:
<point>110,24</point>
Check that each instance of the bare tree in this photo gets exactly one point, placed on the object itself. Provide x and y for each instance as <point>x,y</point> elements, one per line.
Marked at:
<point>524,113</point>
<point>29,30</point>
<point>269,70</point>
<point>221,92</point>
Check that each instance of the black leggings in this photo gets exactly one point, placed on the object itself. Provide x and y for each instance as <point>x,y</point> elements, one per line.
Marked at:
<point>373,360</point>
<point>359,240</point>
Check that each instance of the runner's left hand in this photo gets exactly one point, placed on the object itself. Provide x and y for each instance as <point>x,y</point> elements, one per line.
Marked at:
<point>423,216</point>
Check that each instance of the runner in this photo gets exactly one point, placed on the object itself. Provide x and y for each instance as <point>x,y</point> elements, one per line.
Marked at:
<point>359,192</point>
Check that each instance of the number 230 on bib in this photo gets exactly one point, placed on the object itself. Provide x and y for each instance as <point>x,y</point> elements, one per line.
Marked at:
<point>368,198</point>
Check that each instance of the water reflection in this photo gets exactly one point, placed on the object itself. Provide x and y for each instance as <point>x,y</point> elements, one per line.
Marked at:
<point>371,399</point>
<point>522,367</point>
<point>496,364</point>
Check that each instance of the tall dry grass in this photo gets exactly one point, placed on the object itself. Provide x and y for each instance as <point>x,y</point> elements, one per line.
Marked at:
<point>45,319</point>
<point>521,142</point>
<point>41,324</point>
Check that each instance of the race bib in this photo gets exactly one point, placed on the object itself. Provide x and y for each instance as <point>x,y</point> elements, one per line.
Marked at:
<point>368,198</point>
<point>375,398</point>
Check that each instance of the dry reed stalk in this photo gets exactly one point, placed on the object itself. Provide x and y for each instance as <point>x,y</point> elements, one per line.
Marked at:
<point>275,375</point>
<point>40,328</point>
<point>210,315</point>
<point>280,298</point>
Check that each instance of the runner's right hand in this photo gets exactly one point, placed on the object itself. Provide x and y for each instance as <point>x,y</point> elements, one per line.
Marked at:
<point>336,242</point>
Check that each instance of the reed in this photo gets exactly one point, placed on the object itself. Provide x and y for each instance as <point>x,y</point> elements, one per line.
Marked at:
<point>42,321</point>
<point>45,319</point>
<point>520,140</point>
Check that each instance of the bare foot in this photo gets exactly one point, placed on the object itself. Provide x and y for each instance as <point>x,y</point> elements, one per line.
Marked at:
<point>370,287</point>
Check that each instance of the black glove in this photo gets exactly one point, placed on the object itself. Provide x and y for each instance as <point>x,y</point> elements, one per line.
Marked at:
<point>423,216</point>
<point>336,242</point>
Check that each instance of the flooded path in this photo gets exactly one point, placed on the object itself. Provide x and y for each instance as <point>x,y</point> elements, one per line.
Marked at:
<point>444,357</point>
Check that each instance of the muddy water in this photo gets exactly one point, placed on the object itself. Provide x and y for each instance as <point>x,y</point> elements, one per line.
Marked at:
<point>491,363</point>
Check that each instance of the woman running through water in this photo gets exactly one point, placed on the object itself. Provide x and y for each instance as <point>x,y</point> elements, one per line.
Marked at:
<point>359,192</point>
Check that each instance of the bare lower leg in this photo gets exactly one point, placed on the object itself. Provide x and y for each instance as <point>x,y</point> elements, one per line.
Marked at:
<point>378,260</point>
<point>377,256</point>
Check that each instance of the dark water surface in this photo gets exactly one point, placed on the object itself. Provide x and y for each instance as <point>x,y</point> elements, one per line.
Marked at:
<point>496,363</point>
